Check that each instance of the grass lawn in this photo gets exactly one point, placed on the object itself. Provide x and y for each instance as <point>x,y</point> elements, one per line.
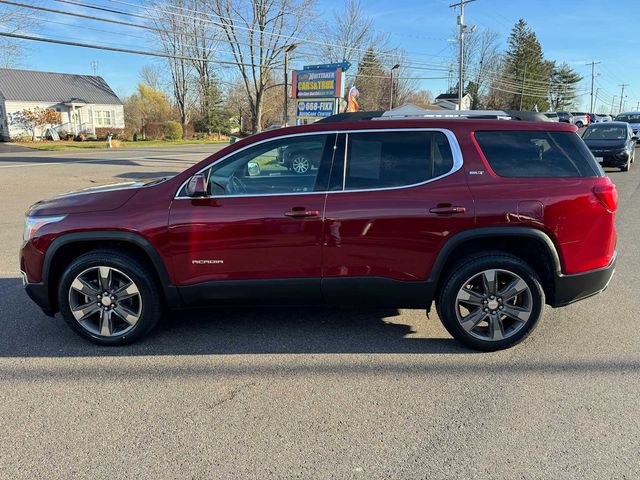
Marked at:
<point>64,145</point>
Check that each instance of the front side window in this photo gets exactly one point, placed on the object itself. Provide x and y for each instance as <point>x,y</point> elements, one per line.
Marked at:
<point>395,159</point>
<point>283,166</point>
<point>537,154</point>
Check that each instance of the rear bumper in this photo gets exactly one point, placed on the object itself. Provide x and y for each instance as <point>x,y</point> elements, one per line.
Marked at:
<point>572,288</point>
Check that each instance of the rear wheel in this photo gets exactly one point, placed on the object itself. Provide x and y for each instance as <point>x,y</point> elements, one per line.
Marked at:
<point>491,302</point>
<point>109,298</point>
<point>579,124</point>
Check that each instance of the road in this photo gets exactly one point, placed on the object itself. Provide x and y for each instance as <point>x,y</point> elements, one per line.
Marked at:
<point>310,393</point>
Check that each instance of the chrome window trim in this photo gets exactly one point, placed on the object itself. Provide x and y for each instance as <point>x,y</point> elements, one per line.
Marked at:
<point>451,138</point>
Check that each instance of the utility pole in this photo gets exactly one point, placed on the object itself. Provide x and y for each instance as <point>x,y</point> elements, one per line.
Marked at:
<point>524,79</point>
<point>593,79</point>
<point>613,100</point>
<point>285,114</point>
<point>622,95</point>
<point>395,67</point>
<point>463,30</point>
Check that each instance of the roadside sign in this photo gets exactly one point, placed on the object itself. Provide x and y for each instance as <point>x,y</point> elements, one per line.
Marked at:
<point>344,65</point>
<point>320,83</point>
<point>315,108</point>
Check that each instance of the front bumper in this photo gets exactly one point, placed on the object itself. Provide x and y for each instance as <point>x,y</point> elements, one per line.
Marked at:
<point>39,293</point>
<point>572,288</point>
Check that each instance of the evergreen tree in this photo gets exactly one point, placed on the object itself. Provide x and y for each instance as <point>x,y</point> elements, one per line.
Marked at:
<point>526,69</point>
<point>564,84</point>
<point>372,80</point>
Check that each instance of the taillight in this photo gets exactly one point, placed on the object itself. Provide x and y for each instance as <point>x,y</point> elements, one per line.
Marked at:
<point>607,195</point>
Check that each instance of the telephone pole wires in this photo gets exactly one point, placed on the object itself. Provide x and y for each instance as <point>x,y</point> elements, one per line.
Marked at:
<point>593,79</point>
<point>463,29</point>
<point>623,85</point>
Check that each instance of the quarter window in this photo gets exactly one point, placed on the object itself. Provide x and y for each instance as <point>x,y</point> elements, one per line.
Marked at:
<point>537,154</point>
<point>394,159</point>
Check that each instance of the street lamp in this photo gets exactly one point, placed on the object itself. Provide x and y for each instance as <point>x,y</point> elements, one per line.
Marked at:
<point>287,49</point>
<point>395,67</point>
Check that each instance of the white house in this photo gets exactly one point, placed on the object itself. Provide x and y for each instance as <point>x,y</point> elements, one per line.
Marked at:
<point>449,101</point>
<point>85,102</point>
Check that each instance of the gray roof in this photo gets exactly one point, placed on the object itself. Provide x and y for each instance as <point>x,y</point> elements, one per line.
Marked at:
<point>32,86</point>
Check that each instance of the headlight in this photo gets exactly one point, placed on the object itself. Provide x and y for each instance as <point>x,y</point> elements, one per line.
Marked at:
<point>33,224</point>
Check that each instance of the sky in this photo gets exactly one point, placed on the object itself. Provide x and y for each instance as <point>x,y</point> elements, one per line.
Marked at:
<point>571,31</point>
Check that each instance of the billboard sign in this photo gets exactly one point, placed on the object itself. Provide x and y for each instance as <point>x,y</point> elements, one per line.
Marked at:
<point>318,108</point>
<point>320,83</point>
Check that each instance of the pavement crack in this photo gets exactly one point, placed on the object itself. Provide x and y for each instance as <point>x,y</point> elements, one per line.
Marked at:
<point>233,393</point>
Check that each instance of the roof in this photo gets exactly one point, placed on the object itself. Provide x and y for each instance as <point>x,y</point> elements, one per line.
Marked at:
<point>449,96</point>
<point>33,86</point>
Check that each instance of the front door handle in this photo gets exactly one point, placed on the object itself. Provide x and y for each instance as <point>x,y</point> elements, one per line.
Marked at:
<point>447,210</point>
<point>299,212</point>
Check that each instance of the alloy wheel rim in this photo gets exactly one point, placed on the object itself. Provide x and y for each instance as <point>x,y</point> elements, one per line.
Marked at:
<point>300,165</point>
<point>494,305</point>
<point>105,301</point>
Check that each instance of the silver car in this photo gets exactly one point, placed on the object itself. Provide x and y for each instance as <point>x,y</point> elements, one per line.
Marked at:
<point>632,118</point>
<point>603,117</point>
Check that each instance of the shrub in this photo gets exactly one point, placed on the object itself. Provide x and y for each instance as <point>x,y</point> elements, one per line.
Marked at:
<point>172,130</point>
<point>118,133</point>
<point>22,139</point>
<point>154,131</point>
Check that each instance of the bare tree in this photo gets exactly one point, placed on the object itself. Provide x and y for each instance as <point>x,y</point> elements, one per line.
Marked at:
<point>484,61</point>
<point>201,49</point>
<point>151,75</point>
<point>256,33</point>
<point>14,20</point>
<point>175,40</point>
<point>350,34</point>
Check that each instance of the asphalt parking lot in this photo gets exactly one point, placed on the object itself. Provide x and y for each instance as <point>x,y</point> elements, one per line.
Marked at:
<point>322,393</point>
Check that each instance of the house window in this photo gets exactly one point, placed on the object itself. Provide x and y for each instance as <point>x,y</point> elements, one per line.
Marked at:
<point>104,118</point>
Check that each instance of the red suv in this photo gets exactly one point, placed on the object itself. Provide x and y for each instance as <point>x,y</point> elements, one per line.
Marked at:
<point>489,219</point>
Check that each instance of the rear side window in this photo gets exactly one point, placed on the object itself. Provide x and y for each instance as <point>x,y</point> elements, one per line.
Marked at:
<point>537,154</point>
<point>394,159</point>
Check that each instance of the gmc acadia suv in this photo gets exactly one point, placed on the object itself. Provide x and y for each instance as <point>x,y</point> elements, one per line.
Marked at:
<point>489,219</point>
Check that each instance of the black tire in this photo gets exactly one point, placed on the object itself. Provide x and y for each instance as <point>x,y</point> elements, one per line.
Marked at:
<point>626,167</point>
<point>579,124</point>
<point>447,299</point>
<point>151,302</point>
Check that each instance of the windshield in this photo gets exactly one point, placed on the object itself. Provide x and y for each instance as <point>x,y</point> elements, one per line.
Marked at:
<point>603,132</point>
<point>629,117</point>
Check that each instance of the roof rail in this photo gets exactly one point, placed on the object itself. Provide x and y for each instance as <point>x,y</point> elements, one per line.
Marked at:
<point>439,114</point>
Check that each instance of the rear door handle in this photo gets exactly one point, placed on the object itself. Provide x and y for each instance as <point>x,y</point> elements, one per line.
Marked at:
<point>302,213</point>
<point>449,210</point>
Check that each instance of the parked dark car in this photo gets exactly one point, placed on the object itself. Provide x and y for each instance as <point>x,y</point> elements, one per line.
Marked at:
<point>566,117</point>
<point>632,118</point>
<point>593,118</point>
<point>612,143</point>
<point>488,219</point>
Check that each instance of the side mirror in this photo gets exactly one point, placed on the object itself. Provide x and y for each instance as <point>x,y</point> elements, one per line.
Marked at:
<point>635,138</point>
<point>253,168</point>
<point>197,186</point>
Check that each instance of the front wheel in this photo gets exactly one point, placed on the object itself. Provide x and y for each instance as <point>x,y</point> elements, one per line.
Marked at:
<point>300,164</point>
<point>109,298</point>
<point>491,302</point>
